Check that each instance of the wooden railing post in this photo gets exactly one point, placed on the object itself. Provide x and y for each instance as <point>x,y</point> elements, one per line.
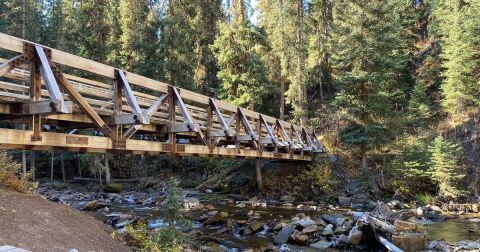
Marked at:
<point>171,118</point>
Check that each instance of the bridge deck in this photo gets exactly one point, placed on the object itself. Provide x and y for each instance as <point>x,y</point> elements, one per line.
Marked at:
<point>50,99</point>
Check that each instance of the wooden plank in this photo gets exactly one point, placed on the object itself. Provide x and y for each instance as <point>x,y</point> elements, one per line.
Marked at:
<point>127,90</point>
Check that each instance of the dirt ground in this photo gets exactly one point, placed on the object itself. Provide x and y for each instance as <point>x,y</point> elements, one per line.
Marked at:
<point>31,222</point>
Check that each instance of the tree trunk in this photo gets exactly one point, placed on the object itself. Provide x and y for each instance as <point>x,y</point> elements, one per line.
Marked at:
<point>32,164</point>
<point>24,161</point>
<point>282,98</point>
<point>258,171</point>
<point>51,166</point>
<point>64,177</point>
<point>79,165</point>
<point>107,170</point>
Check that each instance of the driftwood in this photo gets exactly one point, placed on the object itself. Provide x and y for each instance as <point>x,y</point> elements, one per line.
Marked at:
<point>379,224</point>
<point>217,180</point>
<point>388,245</point>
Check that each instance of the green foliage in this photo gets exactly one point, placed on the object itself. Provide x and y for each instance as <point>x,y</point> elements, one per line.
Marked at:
<point>367,56</point>
<point>419,107</point>
<point>174,204</point>
<point>456,23</point>
<point>444,169</point>
<point>424,198</point>
<point>243,74</point>
<point>167,239</point>
<point>11,179</point>
<point>410,168</point>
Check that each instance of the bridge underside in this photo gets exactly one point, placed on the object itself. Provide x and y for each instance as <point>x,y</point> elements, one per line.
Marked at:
<point>52,100</point>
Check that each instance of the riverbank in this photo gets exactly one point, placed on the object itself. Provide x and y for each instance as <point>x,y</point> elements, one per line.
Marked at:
<point>231,222</point>
<point>34,223</point>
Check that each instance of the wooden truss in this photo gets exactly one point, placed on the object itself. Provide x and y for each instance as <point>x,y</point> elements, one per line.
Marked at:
<point>129,112</point>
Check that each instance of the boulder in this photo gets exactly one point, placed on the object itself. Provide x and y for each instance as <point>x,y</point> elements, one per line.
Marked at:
<point>321,245</point>
<point>410,242</point>
<point>191,202</point>
<point>419,211</point>
<point>310,229</point>
<point>284,234</point>
<point>255,226</point>
<point>217,218</point>
<point>355,235</point>
<point>328,230</point>
<point>246,231</point>
<point>332,219</point>
<point>436,208</point>
<point>94,205</point>
<point>279,226</point>
<point>305,222</point>
<point>341,241</point>
<point>287,199</point>
<point>340,230</point>
<point>299,238</point>
<point>321,222</point>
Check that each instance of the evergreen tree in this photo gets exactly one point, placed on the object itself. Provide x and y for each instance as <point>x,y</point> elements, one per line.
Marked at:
<point>140,49</point>
<point>419,107</point>
<point>456,23</point>
<point>443,168</point>
<point>238,47</point>
<point>24,19</point>
<point>368,57</point>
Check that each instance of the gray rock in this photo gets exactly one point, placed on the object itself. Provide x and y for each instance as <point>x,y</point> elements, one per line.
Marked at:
<point>284,234</point>
<point>321,244</point>
<point>310,229</point>
<point>436,208</point>
<point>344,201</point>
<point>279,226</point>
<point>328,230</point>
<point>355,235</point>
<point>305,222</point>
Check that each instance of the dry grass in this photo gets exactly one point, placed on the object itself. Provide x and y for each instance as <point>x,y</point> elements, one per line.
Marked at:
<point>10,177</point>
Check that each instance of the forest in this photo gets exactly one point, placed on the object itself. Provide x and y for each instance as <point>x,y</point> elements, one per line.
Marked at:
<point>391,87</point>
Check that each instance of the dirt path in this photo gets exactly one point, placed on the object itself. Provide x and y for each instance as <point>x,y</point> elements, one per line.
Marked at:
<point>33,223</point>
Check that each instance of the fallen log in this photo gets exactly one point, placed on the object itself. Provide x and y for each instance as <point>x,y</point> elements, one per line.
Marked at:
<point>388,245</point>
<point>378,224</point>
<point>131,180</point>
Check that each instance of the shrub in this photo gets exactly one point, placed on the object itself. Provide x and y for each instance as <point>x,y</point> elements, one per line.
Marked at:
<point>10,177</point>
<point>167,239</point>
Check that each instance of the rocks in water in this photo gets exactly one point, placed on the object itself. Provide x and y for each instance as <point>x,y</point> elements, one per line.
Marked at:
<point>208,191</point>
<point>355,235</point>
<point>221,231</point>
<point>310,229</point>
<point>283,236</point>
<point>322,244</point>
<point>340,230</point>
<point>410,242</point>
<point>217,218</point>
<point>94,205</point>
<point>305,222</point>
<point>395,204</point>
<point>279,226</point>
<point>328,230</point>
<point>332,219</point>
<point>299,238</point>
<point>419,211</point>
<point>287,199</point>
<point>255,226</point>
<point>436,208</point>
<point>191,202</point>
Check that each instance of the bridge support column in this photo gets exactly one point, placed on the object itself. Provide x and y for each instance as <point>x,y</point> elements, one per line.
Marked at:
<point>258,171</point>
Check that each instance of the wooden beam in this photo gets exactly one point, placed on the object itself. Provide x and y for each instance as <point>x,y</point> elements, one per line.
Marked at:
<point>77,98</point>
<point>127,90</point>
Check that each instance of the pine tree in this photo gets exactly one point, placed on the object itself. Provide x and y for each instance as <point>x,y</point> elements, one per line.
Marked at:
<point>139,25</point>
<point>24,19</point>
<point>443,168</point>
<point>456,23</point>
<point>419,107</point>
<point>243,73</point>
<point>368,54</point>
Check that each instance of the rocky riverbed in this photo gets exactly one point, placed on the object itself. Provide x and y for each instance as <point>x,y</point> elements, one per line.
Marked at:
<point>235,222</point>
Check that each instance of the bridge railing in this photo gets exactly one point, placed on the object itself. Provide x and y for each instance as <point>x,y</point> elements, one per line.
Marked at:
<point>41,86</point>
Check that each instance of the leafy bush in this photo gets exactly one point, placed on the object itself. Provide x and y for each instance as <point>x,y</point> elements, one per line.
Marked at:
<point>10,177</point>
<point>167,239</point>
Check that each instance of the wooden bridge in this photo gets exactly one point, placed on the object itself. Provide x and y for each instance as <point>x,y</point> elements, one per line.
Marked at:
<point>53,100</point>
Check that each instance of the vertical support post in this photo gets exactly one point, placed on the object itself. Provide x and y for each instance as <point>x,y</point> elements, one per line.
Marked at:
<point>51,166</point>
<point>237,129</point>
<point>79,167</point>
<point>35,96</point>
<point>259,128</point>
<point>64,176</point>
<point>117,102</point>
<point>209,127</point>
<point>258,172</point>
<point>172,140</point>
<point>107,170</point>
<point>24,162</point>
<point>32,164</point>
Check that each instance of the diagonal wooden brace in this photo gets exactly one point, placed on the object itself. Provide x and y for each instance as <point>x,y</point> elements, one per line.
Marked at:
<point>270,132</point>
<point>127,90</point>
<point>12,63</point>
<point>83,104</point>
<point>225,131</point>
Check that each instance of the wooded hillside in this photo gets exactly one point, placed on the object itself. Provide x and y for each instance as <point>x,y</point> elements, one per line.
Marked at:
<point>393,86</point>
